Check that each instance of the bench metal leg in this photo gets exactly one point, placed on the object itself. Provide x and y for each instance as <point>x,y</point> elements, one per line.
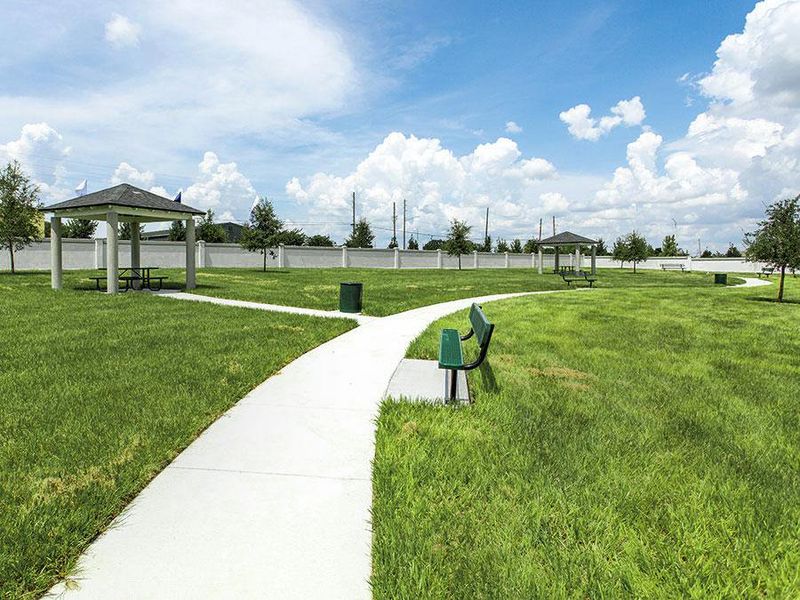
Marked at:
<point>453,385</point>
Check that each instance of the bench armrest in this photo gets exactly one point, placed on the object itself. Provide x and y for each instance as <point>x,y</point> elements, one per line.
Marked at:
<point>469,335</point>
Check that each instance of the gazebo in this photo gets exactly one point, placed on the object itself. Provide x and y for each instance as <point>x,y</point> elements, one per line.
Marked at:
<point>121,203</point>
<point>569,239</point>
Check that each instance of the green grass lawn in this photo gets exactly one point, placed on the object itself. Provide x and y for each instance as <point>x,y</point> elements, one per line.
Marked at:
<point>640,443</point>
<point>388,291</point>
<point>99,393</point>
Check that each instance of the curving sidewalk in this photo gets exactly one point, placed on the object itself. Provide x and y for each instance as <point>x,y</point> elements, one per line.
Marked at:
<point>751,282</point>
<point>273,500</point>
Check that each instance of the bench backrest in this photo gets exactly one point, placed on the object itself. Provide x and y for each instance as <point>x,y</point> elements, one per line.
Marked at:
<point>480,325</point>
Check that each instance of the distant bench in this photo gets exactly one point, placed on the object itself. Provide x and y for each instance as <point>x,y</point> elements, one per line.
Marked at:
<point>766,271</point>
<point>571,277</point>
<point>672,266</point>
<point>451,352</point>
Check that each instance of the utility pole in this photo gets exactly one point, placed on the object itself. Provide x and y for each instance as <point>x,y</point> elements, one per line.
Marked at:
<point>354,213</point>
<point>554,224</point>
<point>394,222</point>
<point>404,223</point>
<point>486,230</point>
<point>540,229</point>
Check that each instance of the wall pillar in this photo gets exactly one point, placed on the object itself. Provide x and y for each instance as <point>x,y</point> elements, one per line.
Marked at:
<point>594,260</point>
<point>201,254</point>
<point>541,260</point>
<point>281,256</point>
<point>439,259</point>
<point>474,259</point>
<point>98,253</point>
<point>396,258</point>
<point>506,260</point>
<point>55,253</point>
<point>191,275</point>
<point>344,256</point>
<point>112,253</point>
<point>689,260</point>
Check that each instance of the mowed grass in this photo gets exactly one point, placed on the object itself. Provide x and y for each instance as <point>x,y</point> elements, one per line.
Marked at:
<point>388,291</point>
<point>99,393</point>
<point>639,443</point>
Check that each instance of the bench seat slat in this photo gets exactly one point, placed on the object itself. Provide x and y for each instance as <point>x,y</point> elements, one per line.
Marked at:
<point>450,354</point>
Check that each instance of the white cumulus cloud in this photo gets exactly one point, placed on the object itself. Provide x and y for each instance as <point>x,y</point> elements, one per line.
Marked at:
<point>512,127</point>
<point>41,151</point>
<point>121,32</point>
<point>583,126</point>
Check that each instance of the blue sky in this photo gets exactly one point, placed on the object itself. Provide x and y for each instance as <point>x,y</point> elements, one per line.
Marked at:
<point>303,102</point>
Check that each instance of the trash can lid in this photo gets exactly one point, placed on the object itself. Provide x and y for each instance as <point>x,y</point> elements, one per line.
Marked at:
<point>351,283</point>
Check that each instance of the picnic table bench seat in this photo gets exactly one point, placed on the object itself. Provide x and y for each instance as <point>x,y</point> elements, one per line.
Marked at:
<point>451,351</point>
<point>129,279</point>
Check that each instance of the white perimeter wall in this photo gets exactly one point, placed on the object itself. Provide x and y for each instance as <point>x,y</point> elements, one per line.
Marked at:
<point>91,254</point>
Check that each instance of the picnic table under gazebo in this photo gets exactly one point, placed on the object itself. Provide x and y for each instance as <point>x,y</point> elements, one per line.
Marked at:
<point>570,240</point>
<point>121,203</point>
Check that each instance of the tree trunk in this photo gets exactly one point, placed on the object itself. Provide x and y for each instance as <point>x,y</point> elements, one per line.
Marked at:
<point>459,262</point>
<point>265,260</point>
<point>634,267</point>
<point>11,250</point>
<point>780,284</point>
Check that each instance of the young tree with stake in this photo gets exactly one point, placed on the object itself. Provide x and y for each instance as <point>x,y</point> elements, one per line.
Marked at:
<point>777,239</point>
<point>457,242</point>
<point>19,210</point>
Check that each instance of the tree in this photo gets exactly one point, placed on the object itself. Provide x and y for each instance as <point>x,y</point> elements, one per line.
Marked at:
<point>413,244</point>
<point>210,232</point>
<point>320,240</point>
<point>124,230</point>
<point>177,232</point>
<point>669,247</point>
<point>516,247</point>
<point>502,245</point>
<point>530,247</point>
<point>433,245</point>
<point>601,248</point>
<point>457,242</point>
<point>777,239</point>
<point>632,248</point>
<point>393,243</point>
<point>261,231</point>
<point>19,210</point>
<point>706,254</point>
<point>486,246</point>
<point>733,252</point>
<point>362,236</point>
<point>79,229</point>
<point>290,237</point>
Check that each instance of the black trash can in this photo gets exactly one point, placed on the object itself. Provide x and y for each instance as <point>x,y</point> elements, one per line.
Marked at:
<point>721,278</point>
<point>350,295</point>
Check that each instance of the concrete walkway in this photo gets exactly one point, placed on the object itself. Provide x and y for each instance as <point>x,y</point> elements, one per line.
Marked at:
<point>273,500</point>
<point>262,306</point>
<point>751,282</point>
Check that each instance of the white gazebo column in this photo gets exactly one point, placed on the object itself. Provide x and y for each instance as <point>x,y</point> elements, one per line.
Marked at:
<point>558,261</point>
<point>112,254</point>
<point>540,260</point>
<point>190,255</point>
<point>577,258</point>
<point>136,261</point>
<point>594,260</point>
<point>55,253</point>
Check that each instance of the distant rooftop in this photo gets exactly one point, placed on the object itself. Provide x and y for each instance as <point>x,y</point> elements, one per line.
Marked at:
<point>124,194</point>
<point>565,238</point>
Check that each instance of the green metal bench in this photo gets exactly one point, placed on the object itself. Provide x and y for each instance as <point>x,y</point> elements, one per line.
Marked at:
<point>570,277</point>
<point>451,352</point>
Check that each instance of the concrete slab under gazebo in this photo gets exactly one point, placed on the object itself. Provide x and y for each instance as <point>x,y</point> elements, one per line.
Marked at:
<point>569,239</point>
<point>121,203</point>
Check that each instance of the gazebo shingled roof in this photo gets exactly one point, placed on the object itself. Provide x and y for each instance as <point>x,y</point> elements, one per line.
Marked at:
<point>124,194</point>
<point>566,238</point>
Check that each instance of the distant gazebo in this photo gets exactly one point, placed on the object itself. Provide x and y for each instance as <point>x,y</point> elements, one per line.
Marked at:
<point>570,240</point>
<point>121,203</point>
